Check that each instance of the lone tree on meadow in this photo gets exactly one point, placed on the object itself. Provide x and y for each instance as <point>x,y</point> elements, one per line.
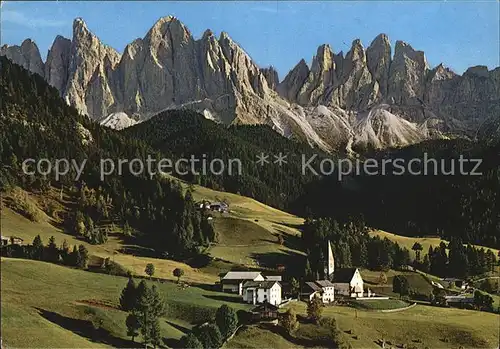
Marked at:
<point>315,309</point>
<point>227,320</point>
<point>178,273</point>
<point>150,269</point>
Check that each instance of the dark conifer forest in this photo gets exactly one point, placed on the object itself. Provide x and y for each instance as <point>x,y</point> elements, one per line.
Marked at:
<point>36,123</point>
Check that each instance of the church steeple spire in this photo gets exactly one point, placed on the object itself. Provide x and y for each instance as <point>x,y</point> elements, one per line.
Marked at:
<point>330,262</point>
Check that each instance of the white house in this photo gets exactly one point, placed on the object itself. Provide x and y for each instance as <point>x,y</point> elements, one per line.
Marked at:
<point>258,292</point>
<point>327,291</point>
<point>321,288</point>
<point>5,240</point>
<point>233,281</point>
<point>348,282</point>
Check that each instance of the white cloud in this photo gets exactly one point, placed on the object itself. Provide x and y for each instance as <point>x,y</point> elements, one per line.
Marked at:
<point>20,18</point>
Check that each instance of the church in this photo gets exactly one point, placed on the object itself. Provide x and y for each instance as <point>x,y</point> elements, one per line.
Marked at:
<point>346,281</point>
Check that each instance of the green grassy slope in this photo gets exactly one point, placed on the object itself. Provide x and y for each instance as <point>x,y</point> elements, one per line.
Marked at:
<point>418,283</point>
<point>258,337</point>
<point>46,305</point>
<point>405,241</point>
<point>435,327</point>
<point>248,234</point>
<point>14,224</point>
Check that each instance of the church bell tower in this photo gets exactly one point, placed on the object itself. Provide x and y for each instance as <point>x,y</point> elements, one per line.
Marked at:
<point>330,262</point>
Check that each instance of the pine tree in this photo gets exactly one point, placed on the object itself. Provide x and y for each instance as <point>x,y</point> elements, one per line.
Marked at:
<point>65,252</point>
<point>426,264</point>
<point>128,297</point>
<point>52,252</point>
<point>37,248</point>
<point>288,321</point>
<point>227,320</point>
<point>74,256</point>
<point>363,255</point>
<point>149,307</point>
<point>308,274</point>
<point>458,262</point>
<point>294,287</point>
<point>400,285</point>
<point>190,341</point>
<point>133,325</point>
<point>83,257</point>
<point>155,332</point>
<point>157,304</point>
<point>143,313</point>
<point>314,309</point>
<point>417,247</point>
<point>209,336</point>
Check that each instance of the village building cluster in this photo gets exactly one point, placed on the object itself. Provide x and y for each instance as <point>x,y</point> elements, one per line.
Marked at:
<point>11,240</point>
<point>218,206</point>
<point>258,289</point>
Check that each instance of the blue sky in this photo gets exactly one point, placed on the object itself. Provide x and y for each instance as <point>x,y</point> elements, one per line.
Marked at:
<point>278,33</point>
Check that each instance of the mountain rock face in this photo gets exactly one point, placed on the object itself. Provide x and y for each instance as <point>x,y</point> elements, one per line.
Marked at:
<point>271,76</point>
<point>57,64</point>
<point>365,98</point>
<point>27,56</point>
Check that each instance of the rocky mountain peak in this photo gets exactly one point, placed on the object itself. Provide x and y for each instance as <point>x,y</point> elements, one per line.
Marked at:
<point>329,104</point>
<point>441,73</point>
<point>79,25</point>
<point>271,76</point>
<point>323,61</point>
<point>381,40</point>
<point>478,70</point>
<point>28,44</point>
<point>293,81</point>
<point>405,51</point>
<point>207,34</point>
<point>378,56</point>
<point>356,53</point>
<point>56,66</point>
<point>407,75</point>
<point>27,55</point>
<point>132,49</point>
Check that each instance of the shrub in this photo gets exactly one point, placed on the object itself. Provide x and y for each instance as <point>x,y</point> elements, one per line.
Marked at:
<point>23,204</point>
<point>209,336</point>
<point>289,321</point>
